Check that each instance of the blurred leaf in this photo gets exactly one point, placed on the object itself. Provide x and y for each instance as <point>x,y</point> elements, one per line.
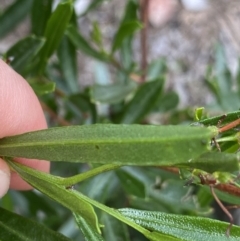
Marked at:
<point>148,204</point>
<point>6,202</point>
<point>82,102</point>
<point>172,196</point>
<point>60,193</point>
<point>204,196</point>
<point>238,78</point>
<point>83,45</point>
<point>41,11</point>
<point>167,102</point>
<point>113,93</point>
<point>42,88</point>
<point>101,186</point>
<point>17,228</point>
<point>89,233</point>
<point>221,83</point>
<point>13,15</point>
<point>182,227</point>
<point>222,72</point>
<point>125,30</point>
<point>96,34</point>
<point>23,52</point>
<point>116,144</point>
<point>126,52</point>
<point>68,63</point>
<point>91,6</point>
<point>224,196</point>
<point>144,101</point>
<point>131,184</point>
<point>54,31</point>
<point>113,229</point>
<point>199,113</point>
<point>156,69</point>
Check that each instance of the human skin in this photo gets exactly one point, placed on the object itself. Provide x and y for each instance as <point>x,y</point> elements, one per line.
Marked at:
<point>20,111</point>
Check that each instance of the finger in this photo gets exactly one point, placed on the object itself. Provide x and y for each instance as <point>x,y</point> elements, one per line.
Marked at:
<point>20,112</point>
<point>4,178</point>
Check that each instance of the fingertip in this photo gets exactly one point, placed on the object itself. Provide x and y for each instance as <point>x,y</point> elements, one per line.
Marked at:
<point>4,178</point>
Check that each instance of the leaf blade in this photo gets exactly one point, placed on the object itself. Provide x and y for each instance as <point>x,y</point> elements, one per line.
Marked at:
<point>17,228</point>
<point>183,227</point>
<point>117,144</point>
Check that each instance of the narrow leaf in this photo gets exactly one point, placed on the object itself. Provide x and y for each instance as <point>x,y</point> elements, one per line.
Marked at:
<point>13,15</point>
<point>41,11</point>
<point>43,88</point>
<point>215,161</point>
<point>17,228</point>
<point>183,227</point>
<point>54,31</point>
<point>228,117</point>
<point>23,52</point>
<point>82,44</point>
<point>113,93</point>
<point>68,63</point>
<point>116,144</point>
<point>60,193</point>
<point>145,100</point>
<point>124,31</point>
<point>114,229</point>
<point>89,233</point>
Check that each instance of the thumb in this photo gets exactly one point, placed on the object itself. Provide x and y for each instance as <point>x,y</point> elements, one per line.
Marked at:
<point>4,178</point>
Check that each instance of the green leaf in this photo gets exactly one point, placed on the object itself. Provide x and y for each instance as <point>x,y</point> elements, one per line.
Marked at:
<point>224,196</point>
<point>41,11</point>
<point>228,117</point>
<point>130,183</point>
<point>125,30</point>
<point>215,161</point>
<point>113,93</point>
<point>54,31</point>
<point>96,34</point>
<point>114,229</point>
<point>13,15</point>
<point>167,102</point>
<point>117,144</point>
<point>42,88</point>
<point>23,52</point>
<point>68,63</point>
<point>91,6</point>
<point>45,183</point>
<point>82,103</point>
<point>144,101</point>
<point>83,45</point>
<point>89,233</point>
<point>182,227</point>
<point>115,213</point>
<point>238,78</point>
<point>17,228</point>
<point>156,68</point>
<point>126,51</point>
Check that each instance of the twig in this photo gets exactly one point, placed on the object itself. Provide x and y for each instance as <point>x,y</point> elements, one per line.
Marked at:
<point>58,119</point>
<point>224,210</point>
<point>144,19</point>
<point>224,187</point>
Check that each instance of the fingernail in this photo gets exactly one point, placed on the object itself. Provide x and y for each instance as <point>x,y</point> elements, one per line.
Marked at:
<point>4,183</point>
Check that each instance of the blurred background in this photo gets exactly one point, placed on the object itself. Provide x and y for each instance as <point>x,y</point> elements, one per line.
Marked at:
<point>147,62</point>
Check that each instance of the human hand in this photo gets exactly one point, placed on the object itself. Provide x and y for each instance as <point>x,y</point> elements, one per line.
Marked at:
<point>20,111</point>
